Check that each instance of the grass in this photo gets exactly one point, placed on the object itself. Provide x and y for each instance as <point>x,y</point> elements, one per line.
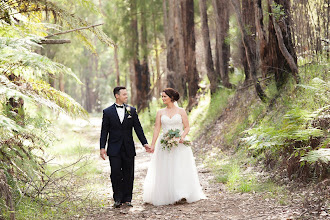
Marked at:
<point>208,110</point>
<point>75,170</point>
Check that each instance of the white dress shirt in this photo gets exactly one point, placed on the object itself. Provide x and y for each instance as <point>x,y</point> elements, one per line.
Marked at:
<point>121,113</point>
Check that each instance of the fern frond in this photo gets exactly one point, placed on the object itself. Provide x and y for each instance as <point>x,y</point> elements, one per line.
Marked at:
<point>322,154</point>
<point>41,93</point>
<point>15,53</point>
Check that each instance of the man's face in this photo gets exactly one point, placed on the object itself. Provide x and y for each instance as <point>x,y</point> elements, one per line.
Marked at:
<point>122,96</point>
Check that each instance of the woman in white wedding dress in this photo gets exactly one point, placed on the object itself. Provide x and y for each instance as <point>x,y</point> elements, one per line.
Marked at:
<point>172,175</point>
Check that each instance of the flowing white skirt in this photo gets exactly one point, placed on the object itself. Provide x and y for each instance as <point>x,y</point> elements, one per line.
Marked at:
<point>172,176</point>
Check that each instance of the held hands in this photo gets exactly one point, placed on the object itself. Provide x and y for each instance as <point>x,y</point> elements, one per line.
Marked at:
<point>149,149</point>
<point>181,140</point>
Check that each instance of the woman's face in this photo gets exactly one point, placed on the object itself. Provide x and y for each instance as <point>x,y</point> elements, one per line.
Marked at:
<point>166,99</point>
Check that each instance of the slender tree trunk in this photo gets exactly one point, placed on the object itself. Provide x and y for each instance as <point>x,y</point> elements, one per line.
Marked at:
<point>157,80</point>
<point>61,83</point>
<point>96,91</point>
<point>132,78</point>
<point>117,65</point>
<point>213,77</point>
<point>189,49</point>
<point>222,28</point>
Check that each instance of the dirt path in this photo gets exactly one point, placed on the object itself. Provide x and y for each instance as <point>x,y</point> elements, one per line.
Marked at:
<point>220,203</point>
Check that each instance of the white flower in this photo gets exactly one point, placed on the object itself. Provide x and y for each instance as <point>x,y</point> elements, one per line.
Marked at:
<point>128,109</point>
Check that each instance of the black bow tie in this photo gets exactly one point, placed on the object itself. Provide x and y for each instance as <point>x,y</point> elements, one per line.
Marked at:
<point>119,106</point>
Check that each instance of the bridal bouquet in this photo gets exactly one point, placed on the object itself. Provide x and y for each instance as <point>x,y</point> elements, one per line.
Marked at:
<point>170,139</point>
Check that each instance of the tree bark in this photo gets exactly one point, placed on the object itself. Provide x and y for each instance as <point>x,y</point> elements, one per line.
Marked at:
<point>117,65</point>
<point>176,74</point>
<point>213,77</point>
<point>248,49</point>
<point>222,28</point>
<point>55,41</point>
<point>285,45</point>
<point>135,48</point>
<point>157,60</point>
<point>61,83</point>
<point>248,17</point>
<point>273,60</point>
<point>190,50</point>
<point>143,81</point>
<point>261,33</point>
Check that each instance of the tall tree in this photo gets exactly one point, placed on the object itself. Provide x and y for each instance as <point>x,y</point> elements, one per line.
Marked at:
<point>277,51</point>
<point>135,53</point>
<point>248,50</point>
<point>248,17</point>
<point>176,74</point>
<point>213,77</point>
<point>221,9</point>
<point>143,81</point>
<point>188,26</point>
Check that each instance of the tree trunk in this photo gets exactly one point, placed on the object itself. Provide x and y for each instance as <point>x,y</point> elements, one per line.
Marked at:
<point>157,76</point>
<point>248,17</point>
<point>143,81</point>
<point>88,91</point>
<point>276,52</point>
<point>213,77</point>
<point>135,48</point>
<point>284,43</point>
<point>61,83</point>
<point>263,43</point>
<point>222,28</point>
<point>176,76</point>
<point>117,66</point>
<point>248,49</point>
<point>189,50</point>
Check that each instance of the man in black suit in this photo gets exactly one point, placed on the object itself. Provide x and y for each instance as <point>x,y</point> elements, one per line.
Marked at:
<point>117,125</point>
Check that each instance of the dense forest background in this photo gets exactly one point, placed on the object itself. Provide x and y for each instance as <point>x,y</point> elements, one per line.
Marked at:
<point>265,61</point>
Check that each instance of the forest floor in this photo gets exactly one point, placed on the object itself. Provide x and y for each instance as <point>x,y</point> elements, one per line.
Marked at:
<point>221,203</point>
<point>287,200</point>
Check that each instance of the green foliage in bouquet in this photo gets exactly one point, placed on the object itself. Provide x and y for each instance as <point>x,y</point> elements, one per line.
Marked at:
<point>171,139</point>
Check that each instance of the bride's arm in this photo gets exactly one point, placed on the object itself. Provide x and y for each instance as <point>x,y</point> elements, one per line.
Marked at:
<point>156,131</point>
<point>186,126</point>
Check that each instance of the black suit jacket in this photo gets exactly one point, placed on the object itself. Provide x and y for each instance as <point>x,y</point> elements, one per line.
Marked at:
<point>120,134</point>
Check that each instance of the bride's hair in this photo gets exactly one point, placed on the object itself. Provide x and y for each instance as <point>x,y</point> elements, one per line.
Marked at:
<point>174,95</point>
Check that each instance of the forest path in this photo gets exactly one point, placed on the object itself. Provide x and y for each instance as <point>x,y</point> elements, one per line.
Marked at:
<point>220,203</point>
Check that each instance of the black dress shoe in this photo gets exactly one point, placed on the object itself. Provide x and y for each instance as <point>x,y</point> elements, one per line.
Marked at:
<point>117,205</point>
<point>129,204</point>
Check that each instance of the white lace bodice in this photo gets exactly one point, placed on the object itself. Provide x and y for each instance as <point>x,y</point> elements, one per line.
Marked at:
<point>171,123</point>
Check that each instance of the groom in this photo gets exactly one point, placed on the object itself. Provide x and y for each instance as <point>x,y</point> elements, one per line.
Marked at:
<point>117,123</point>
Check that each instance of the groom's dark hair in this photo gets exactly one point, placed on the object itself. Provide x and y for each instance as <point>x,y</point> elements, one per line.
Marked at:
<point>117,89</point>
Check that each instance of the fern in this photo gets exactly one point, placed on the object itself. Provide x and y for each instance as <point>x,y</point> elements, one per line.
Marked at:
<point>322,154</point>
<point>69,20</point>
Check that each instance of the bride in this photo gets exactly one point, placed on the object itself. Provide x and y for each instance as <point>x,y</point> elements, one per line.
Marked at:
<point>172,174</point>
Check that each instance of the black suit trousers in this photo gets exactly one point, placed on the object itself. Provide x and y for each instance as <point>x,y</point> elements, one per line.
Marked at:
<point>122,176</point>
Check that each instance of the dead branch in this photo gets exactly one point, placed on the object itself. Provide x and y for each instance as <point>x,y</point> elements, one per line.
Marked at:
<point>72,30</point>
<point>53,41</point>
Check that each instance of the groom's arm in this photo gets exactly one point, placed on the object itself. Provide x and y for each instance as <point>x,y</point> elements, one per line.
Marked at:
<point>138,129</point>
<point>104,134</point>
